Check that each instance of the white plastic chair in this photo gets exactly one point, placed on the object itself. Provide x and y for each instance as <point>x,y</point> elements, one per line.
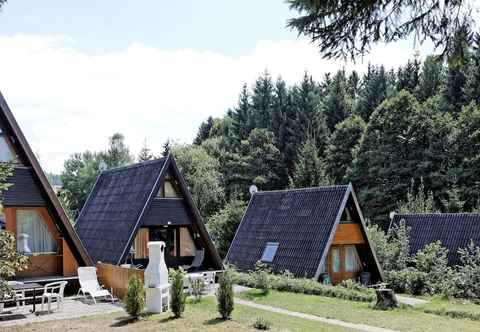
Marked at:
<point>87,276</point>
<point>53,291</point>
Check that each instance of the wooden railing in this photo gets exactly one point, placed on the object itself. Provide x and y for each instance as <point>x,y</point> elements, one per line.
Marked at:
<point>115,278</point>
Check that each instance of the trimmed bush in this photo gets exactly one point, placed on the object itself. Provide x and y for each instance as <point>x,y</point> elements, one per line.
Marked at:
<point>177,293</point>
<point>468,279</point>
<point>198,287</point>
<point>261,277</point>
<point>287,283</point>
<point>261,323</point>
<point>135,299</point>
<point>225,303</point>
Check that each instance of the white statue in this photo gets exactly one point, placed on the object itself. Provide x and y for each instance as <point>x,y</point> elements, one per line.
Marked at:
<point>156,278</point>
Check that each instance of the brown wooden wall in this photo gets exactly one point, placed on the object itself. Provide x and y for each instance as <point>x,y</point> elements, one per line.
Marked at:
<point>115,278</point>
<point>70,264</point>
<point>348,234</point>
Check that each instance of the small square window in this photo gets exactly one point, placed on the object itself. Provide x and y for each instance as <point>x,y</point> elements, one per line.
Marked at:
<point>269,252</point>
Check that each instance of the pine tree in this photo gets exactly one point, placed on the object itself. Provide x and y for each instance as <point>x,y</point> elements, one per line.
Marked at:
<point>309,168</point>
<point>204,131</point>
<point>472,85</point>
<point>373,92</point>
<point>242,115</point>
<point>339,153</point>
<point>262,101</point>
<point>145,154</point>
<point>431,79</point>
<point>336,106</point>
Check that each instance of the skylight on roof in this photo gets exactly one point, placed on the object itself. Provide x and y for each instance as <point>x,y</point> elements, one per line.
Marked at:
<point>269,252</point>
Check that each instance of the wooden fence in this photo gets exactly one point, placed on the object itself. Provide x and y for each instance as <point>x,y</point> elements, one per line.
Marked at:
<point>116,278</point>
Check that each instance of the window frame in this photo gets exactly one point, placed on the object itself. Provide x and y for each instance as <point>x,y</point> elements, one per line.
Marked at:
<point>268,245</point>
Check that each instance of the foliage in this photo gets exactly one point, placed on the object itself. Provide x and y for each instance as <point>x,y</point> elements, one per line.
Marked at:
<point>350,29</point>
<point>417,202</point>
<point>468,281</point>
<point>135,298</point>
<point>10,261</point>
<point>198,287</point>
<point>261,277</point>
<point>225,303</point>
<point>201,172</point>
<point>261,323</point>
<point>288,283</point>
<point>178,296</point>
<point>145,153</point>
<point>117,153</point>
<point>223,225</point>
<point>309,168</point>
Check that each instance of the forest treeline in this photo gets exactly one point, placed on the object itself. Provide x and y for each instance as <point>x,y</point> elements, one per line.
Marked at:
<point>389,132</point>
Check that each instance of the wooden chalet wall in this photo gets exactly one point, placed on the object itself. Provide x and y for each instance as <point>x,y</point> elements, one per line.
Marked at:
<point>115,278</point>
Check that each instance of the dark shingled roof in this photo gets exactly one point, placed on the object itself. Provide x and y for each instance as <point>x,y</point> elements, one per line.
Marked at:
<point>113,208</point>
<point>454,230</point>
<point>300,220</point>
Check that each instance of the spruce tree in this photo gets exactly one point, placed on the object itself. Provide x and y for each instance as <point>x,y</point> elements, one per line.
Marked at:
<point>431,78</point>
<point>336,105</point>
<point>309,168</point>
<point>374,90</point>
<point>339,153</point>
<point>472,85</point>
<point>262,101</point>
<point>145,154</point>
<point>242,115</point>
<point>203,131</point>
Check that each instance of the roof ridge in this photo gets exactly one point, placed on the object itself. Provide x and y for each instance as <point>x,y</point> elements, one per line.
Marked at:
<point>308,189</point>
<point>140,164</point>
<point>436,213</point>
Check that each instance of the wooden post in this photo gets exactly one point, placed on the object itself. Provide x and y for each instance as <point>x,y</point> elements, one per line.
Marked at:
<point>386,299</point>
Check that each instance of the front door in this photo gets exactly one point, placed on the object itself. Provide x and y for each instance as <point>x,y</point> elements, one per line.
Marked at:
<point>343,263</point>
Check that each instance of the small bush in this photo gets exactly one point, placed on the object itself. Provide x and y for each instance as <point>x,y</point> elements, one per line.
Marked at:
<point>351,284</point>
<point>288,283</point>
<point>198,287</point>
<point>177,293</point>
<point>134,300</point>
<point>468,279</point>
<point>261,277</point>
<point>261,323</point>
<point>225,294</point>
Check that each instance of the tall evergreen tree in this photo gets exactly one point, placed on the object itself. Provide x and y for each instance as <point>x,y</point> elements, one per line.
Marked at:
<point>309,168</point>
<point>339,154</point>
<point>145,153</point>
<point>203,131</point>
<point>472,85</point>
<point>336,105</point>
<point>243,121</point>
<point>431,78</point>
<point>373,92</point>
<point>262,101</point>
<point>408,76</point>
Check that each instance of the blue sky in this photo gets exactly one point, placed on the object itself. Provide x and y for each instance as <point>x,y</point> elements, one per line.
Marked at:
<point>75,72</point>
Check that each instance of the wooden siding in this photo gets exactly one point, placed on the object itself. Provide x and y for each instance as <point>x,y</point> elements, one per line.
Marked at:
<point>43,266</point>
<point>115,278</point>
<point>24,190</point>
<point>348,234</point>
<point>70,264</point>
<point>165,210</point>
<point>141,242</point>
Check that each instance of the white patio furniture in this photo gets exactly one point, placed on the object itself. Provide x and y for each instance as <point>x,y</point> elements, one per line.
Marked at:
<point>89,285</point>
<point>53,291</point>
<point>19,295</point>
<point>197,261</point>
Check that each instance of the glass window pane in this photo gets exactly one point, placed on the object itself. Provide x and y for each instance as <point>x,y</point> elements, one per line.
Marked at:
<point>336,260</point>
<point>187,246</point>
<point>6,153</point>
<point>170,190</point>
<point>269,252</point>
<point>33,236</point>
<point>351,262</point>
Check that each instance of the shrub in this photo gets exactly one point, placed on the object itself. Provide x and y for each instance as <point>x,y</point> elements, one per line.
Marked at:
<point>134,300</point>
<point>177,293</point>
<point>351,284</point>
<point>261,323</point>
<point>10,260</point>
<point>198,287</point>
<point>288,283</point>
<point>468,279</point>
<point>225,294</point>
<point>408,280</point>
<point>261,277</point>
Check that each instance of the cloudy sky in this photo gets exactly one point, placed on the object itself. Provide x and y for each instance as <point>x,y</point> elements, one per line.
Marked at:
<point>74,72</point>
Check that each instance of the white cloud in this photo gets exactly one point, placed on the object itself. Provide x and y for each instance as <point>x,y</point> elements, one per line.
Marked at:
<point>69,101</point>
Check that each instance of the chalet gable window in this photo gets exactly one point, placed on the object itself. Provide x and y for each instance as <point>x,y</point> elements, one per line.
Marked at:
<point>346,217</point>
<point>169,189</point>
<point>33,236</point>
<point>269,252</point>
<point>6,151</point>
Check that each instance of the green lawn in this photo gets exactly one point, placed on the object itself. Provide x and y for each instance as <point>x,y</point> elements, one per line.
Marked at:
<point>198,317</point>
<point>404,319</point>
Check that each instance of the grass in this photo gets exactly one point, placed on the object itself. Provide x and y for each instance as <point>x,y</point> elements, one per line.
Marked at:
<point>200,316</point>
<point>403,319</point>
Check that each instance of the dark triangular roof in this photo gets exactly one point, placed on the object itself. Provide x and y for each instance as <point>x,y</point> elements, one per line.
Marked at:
<point>454,230</point>
<point>59,216</point>
<point>118,203</point>
<point>302,221</point>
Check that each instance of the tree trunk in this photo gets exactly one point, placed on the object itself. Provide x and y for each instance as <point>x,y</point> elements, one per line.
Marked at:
<point>386,299</point>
